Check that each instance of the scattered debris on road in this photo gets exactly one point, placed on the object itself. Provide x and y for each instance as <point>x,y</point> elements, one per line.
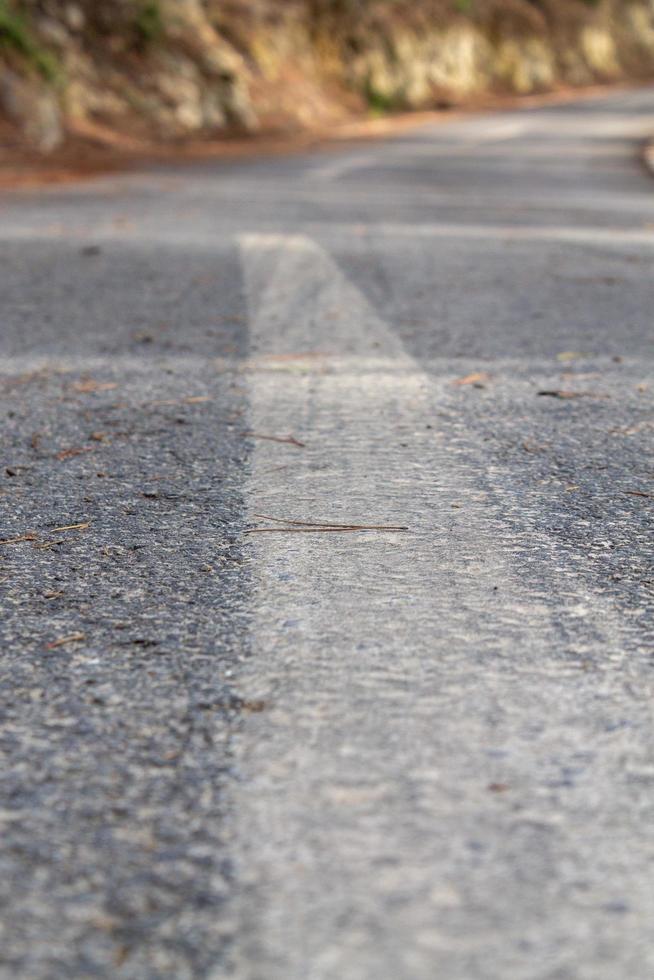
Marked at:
<point>65,640</point>
<point>73,527</point>
<point>88,386</point>
<point>20,539</point>
<point>532,447</point>
<point>569,355</point>
<point>478,379</point>
<point>562,393</point>
<point>311,527</point>
<point>287,440</point>
<point>64,454</point>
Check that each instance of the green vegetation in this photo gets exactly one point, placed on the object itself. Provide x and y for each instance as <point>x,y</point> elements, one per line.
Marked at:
<point>166,70</point>
<point>379,103</point>
<point>148,24</point>
<point>15,36</point>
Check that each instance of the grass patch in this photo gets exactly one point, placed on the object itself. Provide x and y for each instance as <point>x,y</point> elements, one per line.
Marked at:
<point>148,24</point>
<point>15,36</point>
<point>379,103</point>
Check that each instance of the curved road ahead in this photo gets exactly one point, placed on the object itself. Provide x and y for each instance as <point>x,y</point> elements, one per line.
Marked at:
<point>321,754</point>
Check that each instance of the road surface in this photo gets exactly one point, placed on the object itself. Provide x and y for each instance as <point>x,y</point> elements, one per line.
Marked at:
<point>307,753</point>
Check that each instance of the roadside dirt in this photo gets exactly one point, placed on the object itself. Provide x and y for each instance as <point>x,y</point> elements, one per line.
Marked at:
<point>97,151</point>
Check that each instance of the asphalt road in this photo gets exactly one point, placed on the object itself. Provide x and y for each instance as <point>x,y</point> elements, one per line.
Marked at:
<point>322,754</point>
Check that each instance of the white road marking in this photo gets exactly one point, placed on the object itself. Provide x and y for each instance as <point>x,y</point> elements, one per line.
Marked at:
<point>492,131</point>
<point>336,169</point>
<point>568,234</point>
<point>365,765</point>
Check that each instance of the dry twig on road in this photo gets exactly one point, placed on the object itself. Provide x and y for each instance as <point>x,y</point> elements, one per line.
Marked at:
<point>313,527</point>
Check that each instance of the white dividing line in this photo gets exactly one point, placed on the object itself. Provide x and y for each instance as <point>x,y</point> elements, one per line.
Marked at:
<point>341,167</point>
<point>488,131</point>
<point>564,234</point>
<point>480,135</point>
<point>379,660</point>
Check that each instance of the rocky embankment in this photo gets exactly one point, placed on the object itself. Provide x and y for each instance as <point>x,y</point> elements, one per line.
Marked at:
<point>152,71</point>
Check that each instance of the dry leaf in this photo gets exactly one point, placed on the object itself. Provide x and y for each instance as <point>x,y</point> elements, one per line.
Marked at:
<point>477,378</point>
<point>88,386</point>
<point>73,451</point>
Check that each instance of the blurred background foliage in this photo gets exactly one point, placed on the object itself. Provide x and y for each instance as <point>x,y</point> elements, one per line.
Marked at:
<point>162,70</point>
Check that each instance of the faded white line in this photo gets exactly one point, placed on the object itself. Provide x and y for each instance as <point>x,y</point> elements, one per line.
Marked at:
<point>565,234</point>
<point>378,660</point>
<point>340,167</point>
<point>490,132</point>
